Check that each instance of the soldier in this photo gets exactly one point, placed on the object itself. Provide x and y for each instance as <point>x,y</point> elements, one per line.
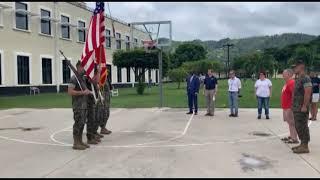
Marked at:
<point>300,106</point>
<point>98,107</point>
<point>91,116</point>
<point>106,108</point>
<point>79,107</point>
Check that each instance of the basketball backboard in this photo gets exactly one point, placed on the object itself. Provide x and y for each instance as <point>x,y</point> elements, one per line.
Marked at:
<point>158,31</point>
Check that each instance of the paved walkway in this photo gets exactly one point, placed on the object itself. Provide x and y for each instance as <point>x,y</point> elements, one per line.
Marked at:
<point>154,143</point>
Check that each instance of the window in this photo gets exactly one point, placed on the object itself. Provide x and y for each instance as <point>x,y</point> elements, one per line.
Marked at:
<point>82,31</point>
<point>0,68</point>
<point>109,75</point>
<point>65,72</point>
<point>1,16</point>
<point>135,41</point>
<point>119,75</point>
<point>46,71</point>
<point>21,18</point>
<point>127,43</point>
<point>23,69</point>
<point>128,75</point>
<point>45,23</point>
<point>118,40</point>
<point>65,28</point>
<point>108,38</point>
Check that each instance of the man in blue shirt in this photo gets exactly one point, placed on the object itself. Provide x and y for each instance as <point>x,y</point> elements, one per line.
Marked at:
<point>210,91</point>
<point>193,85</point>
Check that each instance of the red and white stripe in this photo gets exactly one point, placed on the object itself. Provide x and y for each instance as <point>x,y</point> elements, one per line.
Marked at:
<point>95,39</point>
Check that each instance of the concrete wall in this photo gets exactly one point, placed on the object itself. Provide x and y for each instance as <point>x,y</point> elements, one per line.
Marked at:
<point>32,43</point>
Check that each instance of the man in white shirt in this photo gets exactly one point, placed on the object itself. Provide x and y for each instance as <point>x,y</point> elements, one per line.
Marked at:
<point>234,84</point>
<point>263,94</point>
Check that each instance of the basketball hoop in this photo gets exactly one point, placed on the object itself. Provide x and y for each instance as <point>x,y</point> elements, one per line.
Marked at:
<point>149,44</point>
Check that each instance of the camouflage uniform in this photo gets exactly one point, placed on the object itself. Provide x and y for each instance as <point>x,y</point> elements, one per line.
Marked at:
<point>99,115</point>
<point>106,108</point>
<point>91,113</point>
<point>79,107</point>
<point>301,118</point>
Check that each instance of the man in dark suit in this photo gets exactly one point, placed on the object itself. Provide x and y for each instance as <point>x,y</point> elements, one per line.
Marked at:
<point>193,85</point>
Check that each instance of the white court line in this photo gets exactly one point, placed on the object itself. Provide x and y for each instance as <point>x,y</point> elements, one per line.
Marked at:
<point>309,123</point>
<point>187,126</point>
<point>65,129</point>
<point>170,139</point>
<point>141,144</point>
<point>53,134</point>
<point>29,142</point>
<point>144,145</point>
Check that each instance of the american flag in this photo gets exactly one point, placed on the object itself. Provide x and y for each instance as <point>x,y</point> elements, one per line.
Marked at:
<point>93,51</point>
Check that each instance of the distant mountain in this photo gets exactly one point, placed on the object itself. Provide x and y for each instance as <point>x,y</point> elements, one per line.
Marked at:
<point>247,45</point>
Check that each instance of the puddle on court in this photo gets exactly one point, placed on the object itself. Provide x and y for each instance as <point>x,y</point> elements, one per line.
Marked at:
<point>22,128</point>
<point>251,162</point>
<point>259,133</point>
<point>19,113</point>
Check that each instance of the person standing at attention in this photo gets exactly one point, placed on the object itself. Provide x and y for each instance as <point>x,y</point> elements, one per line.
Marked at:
<point>210,91</point>
<point>315,96</point>
<point>263,91</point>
<point>79,107</point>
<point>193,85</point>
<point>286,103</point>
<point>234,84</point>
<point>300,106</point>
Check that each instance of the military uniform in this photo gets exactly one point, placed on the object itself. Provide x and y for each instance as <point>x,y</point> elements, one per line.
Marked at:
<point>107,97</point>
<point>79,107</point>
<point>91,115</point>
<point>301,118</point>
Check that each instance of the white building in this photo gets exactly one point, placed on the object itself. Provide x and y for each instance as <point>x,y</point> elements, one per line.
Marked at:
<point>32,33</point>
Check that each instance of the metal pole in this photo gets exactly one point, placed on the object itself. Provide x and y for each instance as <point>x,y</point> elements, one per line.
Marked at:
<point>160,77</point>
<point>228,56</point>
<point>228,64</point>
<point>57,60</point>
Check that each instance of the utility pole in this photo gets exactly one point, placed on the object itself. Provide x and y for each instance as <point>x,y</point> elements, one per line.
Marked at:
<point>228,45</point>
<point>56,56</point>
<point>160,77</point>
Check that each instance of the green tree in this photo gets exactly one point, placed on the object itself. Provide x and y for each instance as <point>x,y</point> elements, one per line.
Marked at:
<point>177,75</point>
<point>202,66</point>
<point>138,60</point>
<point>187,52</point>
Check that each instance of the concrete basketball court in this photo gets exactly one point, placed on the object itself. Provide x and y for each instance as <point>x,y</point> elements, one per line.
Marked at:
<point>154,143</point>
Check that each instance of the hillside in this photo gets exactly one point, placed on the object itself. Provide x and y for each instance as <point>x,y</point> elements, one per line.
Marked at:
<point>247,45</point>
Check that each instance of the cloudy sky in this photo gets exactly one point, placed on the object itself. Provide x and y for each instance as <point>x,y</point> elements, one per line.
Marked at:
<point>218,20</point>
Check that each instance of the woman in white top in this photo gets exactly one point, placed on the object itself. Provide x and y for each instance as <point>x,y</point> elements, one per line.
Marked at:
<point>263,93</point>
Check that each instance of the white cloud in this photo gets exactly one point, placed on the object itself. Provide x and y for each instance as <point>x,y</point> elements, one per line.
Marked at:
<point>217,20</point>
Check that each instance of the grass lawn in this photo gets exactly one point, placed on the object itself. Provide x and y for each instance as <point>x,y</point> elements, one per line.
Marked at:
<point>128,98</point>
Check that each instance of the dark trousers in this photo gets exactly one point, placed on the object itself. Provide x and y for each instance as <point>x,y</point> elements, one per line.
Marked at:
<point>301,123</point>
<point>193,102</point>
<point>263,102</point>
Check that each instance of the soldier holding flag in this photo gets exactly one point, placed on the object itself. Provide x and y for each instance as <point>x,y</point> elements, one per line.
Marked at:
<point>106,113</point>
<point>79,106</point>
